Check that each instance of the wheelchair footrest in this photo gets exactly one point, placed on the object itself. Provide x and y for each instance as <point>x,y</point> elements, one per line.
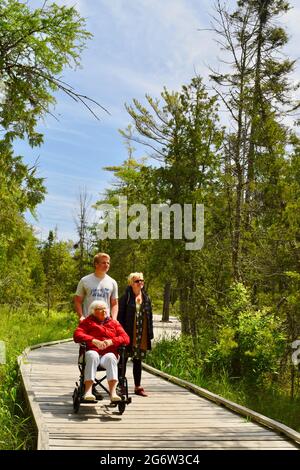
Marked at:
<point>114,404</point>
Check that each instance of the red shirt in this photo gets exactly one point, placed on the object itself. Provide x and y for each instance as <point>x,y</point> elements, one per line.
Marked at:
<point>91,328</point>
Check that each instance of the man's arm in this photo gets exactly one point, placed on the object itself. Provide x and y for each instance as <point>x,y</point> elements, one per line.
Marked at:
<point>78,306</point>
<point>114,306</point>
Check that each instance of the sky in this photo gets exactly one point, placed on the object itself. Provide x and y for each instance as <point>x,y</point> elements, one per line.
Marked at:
<point>138,47</point>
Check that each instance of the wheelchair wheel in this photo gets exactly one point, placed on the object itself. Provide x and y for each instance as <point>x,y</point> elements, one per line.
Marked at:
<point>76,399</point>
<point>121,407</point>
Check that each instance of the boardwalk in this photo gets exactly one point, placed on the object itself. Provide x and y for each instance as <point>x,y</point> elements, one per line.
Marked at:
<point>170,418</point>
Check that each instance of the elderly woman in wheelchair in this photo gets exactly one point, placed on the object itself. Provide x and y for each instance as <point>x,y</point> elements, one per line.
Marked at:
<point>102,337</point>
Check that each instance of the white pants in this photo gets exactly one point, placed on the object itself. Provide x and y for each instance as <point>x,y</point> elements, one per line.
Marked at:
<point>108,362</point>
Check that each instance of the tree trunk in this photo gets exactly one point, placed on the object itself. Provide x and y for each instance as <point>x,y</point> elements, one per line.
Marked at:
<point>257,103</point>
<point>166,306</point>
<point>184,312</point>
<point>237,232</point>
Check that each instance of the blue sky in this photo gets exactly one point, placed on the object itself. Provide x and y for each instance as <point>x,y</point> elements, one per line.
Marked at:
<point>139,46</point>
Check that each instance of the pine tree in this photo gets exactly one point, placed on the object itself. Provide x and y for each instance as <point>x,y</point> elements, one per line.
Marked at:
<point>257,94</point>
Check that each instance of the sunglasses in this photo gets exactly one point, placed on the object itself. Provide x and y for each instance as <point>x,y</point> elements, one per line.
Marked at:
<point>138,280</point>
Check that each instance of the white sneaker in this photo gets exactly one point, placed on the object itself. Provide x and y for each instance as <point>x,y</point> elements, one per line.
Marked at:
<point>115,398</point>
<point>89,397</point>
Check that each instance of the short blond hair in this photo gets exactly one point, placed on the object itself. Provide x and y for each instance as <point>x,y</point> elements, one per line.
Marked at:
<point>97,304</point>
<point>98,258</point>
<point>132,275</point>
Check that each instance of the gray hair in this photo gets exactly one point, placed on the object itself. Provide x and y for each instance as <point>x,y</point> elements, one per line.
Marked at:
<point>96,304</point>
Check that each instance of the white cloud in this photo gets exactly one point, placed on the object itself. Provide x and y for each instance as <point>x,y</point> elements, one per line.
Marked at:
<point>291,20</point>
<point>160,38</point>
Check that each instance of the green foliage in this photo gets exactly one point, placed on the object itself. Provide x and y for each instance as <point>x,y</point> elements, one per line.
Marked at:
<point>254,338</point>
<point>21,189</point>
<point>178,357</point>
<point>35,47</point>
<point>129,181</point>
<point>60,272</point>
<point>182,130</point>
<point>17,431</point>
<point>36,274</point>
<point>22,276</point>
<point>18,329</point>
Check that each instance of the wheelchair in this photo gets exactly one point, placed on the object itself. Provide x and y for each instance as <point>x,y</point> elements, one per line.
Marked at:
<point>122,387</point>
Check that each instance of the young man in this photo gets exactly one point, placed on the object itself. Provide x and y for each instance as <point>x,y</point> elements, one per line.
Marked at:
<point>97,286</point>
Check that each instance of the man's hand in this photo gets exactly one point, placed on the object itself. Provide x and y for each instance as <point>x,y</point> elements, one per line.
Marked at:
<point>78,307</point>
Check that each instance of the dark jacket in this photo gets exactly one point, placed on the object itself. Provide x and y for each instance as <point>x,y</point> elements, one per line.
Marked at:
<point>92,328</point>
<point>127,311</point>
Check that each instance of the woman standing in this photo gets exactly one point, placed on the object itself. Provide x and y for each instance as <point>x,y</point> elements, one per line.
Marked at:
<point>135,315</point>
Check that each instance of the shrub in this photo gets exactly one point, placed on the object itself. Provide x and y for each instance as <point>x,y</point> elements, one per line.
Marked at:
<point>249,342</point>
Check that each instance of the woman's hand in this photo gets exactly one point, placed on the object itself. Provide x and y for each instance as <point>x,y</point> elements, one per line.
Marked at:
<point>102,344</point>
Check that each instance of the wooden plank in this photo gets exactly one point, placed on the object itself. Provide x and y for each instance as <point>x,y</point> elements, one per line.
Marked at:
<point>212,433</point>
<point>158,410</point>
<point>158,436</point>
<point>151,425</point>
<point>57,448</point>
<point>166,444</point>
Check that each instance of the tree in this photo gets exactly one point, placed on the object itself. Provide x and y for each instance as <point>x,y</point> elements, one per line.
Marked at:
<point>261,157</point>
<point>82,222</point>
<point>60,271</point>
<point>257,94</point>
<point>182,134</point>
<point>20,189</point>
<point>21,271</point>
<point>130,182</point>
<point>35,47</point>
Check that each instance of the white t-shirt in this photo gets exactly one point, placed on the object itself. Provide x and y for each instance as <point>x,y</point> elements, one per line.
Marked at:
<point>92,288</point>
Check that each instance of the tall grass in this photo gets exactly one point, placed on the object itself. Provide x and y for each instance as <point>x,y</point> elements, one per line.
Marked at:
<point>18,329</point>
<point>178,357</point>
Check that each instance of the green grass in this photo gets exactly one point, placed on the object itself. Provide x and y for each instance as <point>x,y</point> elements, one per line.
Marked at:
<point>19,329</point>
<point>176,358</point>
